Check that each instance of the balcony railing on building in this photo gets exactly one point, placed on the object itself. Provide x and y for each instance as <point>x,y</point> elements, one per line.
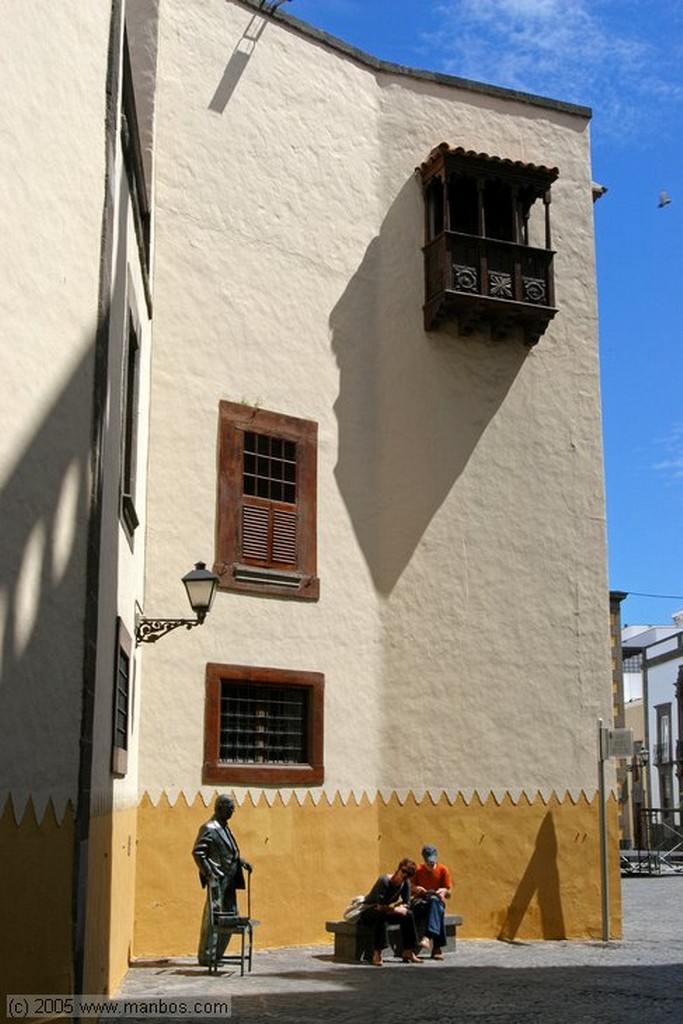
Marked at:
<point>488,256</point>
<point>488,282</point>
<point>662,754</point>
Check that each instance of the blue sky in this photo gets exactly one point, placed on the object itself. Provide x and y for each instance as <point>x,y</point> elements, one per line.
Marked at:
<point>624,59</point>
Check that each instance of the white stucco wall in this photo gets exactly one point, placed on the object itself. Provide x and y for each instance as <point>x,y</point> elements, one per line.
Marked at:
<point>51,196</point>
<point>463,619</point>
<point>129,294</point>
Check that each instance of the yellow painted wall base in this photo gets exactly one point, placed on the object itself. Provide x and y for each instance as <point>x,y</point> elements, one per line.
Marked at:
<point>36,885</point>
<point>111,892</point>
<point>35,901</point>
<point>527,870</point>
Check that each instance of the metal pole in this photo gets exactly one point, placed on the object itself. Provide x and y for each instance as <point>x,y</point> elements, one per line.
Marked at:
<point>604,875</point>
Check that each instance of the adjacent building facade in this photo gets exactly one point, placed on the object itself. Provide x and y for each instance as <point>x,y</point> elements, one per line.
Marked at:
<point>663,701</point>
<point>329,325</point>
<point>651,663</point>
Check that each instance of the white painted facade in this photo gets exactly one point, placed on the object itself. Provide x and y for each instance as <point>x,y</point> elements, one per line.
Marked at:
<point>456,476</point>
<point>72,276</point>
<point>289,275</point>
<point>662,663</point>
<point>51,199</point>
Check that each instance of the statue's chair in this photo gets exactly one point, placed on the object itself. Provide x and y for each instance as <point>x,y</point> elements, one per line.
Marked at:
<point>222,923</point>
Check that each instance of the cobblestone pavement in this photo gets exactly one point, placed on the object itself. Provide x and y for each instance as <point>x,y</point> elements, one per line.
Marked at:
<point>639,979</point>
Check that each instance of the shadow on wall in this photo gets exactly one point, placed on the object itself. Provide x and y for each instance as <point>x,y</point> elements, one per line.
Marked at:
<point>412,405</point>
<point>238,61</point>
<point>43,544</point>
<point>541,880</point>
<point>43,541</point>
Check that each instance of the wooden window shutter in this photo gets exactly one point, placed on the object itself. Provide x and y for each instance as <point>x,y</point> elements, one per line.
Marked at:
<point>284,536</point>
<point>269,535</point>
<point>255,529</point>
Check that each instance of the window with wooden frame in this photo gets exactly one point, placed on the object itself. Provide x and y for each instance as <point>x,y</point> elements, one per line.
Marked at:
<point>123,689</point>
<point>130,398</point>
<point>263,726</point>
<point>266,517</point>
<point>664,747</point>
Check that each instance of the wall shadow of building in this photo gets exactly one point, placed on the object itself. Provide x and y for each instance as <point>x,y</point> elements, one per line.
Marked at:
<point>44,506</point>
<point>412,405</point>
<point>540,881</point>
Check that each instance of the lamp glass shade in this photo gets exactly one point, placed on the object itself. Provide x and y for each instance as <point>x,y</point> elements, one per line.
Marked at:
<point>200,585</point>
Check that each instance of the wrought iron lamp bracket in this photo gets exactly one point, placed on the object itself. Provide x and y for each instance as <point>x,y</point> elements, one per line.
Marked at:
<point>148,631</point>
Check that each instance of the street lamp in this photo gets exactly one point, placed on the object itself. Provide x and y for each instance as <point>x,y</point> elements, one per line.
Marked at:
<point>641,811</point>
<point>643,761</point>
<point>200,584</point>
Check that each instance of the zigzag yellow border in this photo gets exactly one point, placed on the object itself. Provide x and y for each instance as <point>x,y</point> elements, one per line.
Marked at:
<point>22,810</point>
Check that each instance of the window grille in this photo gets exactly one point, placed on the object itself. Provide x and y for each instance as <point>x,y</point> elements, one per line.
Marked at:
<point>122,692</point>
<point>263,724</point>
<point>269,467</point>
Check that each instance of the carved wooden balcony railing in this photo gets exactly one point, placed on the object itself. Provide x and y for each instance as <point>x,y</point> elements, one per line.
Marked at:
<point>488,284</point>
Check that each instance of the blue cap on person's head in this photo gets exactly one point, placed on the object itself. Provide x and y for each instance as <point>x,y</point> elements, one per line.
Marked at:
<point>429,854</point>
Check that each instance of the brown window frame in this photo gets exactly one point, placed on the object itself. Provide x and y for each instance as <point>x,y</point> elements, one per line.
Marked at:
<point>310,773</point>
<point>119,752</point>
<point>235,569</point>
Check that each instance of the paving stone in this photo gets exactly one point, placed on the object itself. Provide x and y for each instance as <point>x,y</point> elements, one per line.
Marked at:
<point>638,980</point>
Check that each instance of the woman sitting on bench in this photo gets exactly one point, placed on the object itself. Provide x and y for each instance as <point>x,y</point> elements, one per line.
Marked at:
<point>389,901</point>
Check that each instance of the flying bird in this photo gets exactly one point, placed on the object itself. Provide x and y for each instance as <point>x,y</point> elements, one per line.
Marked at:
<point>664,199</point>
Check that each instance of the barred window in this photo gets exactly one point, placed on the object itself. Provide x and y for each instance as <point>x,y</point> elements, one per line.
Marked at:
<point>263,725</point>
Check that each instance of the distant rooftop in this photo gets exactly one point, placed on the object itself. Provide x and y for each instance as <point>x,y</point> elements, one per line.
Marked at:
<point>637,637</point>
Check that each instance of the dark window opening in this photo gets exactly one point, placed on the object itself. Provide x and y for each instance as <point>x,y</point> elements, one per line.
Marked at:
<point>434,198</point>
<point>129,428</point>
<point>269,468</point>
<point>132,156</point>
<point>263,724</point>
<point>463,203</point>
<point>498,212</point>
<point>121,712</point>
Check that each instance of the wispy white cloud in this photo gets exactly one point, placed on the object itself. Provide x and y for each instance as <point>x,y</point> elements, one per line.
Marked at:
<point>610,54</point>
<point>672,446</point>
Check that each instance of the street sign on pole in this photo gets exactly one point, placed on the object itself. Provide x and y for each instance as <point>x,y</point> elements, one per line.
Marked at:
<point>620,743</point>
<point>611,743</point>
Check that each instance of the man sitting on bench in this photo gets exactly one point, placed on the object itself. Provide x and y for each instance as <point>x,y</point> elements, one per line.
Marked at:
<point>430,888</point>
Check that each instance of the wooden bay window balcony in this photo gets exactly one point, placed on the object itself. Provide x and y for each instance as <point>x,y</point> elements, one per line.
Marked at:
<point>485,268</point>
<point>484,282</point>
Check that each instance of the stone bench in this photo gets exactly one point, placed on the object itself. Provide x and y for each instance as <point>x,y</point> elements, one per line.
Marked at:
<point>353,939</point>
